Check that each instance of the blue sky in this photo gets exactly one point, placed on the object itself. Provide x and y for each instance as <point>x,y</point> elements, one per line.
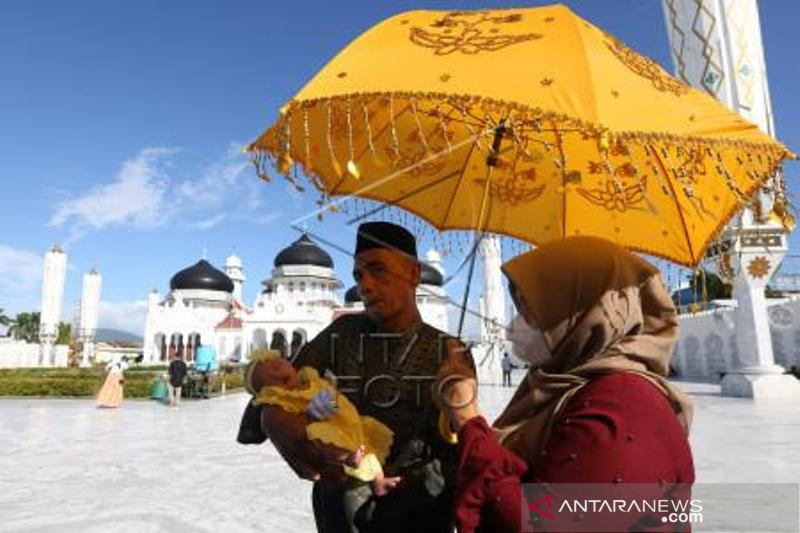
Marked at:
<point>121,125</point>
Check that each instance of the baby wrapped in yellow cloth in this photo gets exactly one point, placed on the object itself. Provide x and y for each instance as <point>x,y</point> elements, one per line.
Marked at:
<point>272,380</point>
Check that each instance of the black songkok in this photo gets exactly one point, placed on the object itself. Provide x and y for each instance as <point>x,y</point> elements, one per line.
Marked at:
<point>385,235</point>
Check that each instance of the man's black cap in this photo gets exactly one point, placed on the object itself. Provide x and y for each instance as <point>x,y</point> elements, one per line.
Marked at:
<point>385,235</point>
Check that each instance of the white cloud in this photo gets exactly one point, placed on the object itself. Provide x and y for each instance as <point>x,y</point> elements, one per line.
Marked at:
<point>209,222</point>
<point>20,271</point>
<point>268,219</point>
<point>127,316</point>
<point>144,195</point>
<point>217,181</point>
<point>136,197</point>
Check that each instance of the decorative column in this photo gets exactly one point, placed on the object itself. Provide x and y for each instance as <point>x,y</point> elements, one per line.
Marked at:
<point>716,47</point>
<point>759,250</point>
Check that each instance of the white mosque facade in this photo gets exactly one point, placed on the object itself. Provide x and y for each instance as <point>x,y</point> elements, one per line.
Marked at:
<point>298,300</point>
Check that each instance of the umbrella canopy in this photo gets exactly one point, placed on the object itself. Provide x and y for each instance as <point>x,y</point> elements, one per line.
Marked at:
<point>582,134</point>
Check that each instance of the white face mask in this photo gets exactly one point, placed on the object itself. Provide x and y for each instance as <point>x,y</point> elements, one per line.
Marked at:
<point>527,343</point>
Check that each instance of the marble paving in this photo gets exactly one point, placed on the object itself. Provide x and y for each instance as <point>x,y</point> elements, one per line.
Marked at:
<point>67,466</point>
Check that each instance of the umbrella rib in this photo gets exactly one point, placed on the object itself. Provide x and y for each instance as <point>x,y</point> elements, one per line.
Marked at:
<point>678,205</point>
<point>563,159</point>
<point>404,197</point>
<point>458,183</point>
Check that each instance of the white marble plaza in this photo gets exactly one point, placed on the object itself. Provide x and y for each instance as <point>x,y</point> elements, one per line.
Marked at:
<point>67,466</point>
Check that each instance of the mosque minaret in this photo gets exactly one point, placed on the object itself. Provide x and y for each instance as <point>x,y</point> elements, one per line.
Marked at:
<point>53,276</point>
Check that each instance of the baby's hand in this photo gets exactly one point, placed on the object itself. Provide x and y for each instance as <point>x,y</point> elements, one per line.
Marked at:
<point>322,406</point>
<point>383,485</point>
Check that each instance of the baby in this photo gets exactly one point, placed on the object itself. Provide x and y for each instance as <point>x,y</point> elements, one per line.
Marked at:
<point>272,380</point>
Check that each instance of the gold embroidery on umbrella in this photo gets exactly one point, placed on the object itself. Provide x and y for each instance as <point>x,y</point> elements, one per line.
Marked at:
<point>645,67</point>
<point>758,267</point>
<point>512,191</point>
<point>412,152</point>
<point>615,197</point>
<point>519,185</point>
<point>469,32</point>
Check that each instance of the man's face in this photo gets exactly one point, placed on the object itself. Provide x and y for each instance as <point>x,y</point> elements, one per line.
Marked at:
<point>387,282</point>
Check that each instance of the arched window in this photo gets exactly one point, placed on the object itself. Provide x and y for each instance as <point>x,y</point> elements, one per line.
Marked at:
<point>279,343</point>
<point>159,347</point>
<point>298,340</point>
<point>259,339</point>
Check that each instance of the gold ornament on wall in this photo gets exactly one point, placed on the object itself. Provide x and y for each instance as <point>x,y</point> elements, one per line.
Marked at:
<point>758,267</point>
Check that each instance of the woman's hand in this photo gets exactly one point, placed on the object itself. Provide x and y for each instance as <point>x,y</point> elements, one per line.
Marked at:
<point>459,400</point>
<point>456,387</point>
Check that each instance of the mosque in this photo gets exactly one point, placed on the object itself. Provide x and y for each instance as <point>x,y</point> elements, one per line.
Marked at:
<point>298,300</point>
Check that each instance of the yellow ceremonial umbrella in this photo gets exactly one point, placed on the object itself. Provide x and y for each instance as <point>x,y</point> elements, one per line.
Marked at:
<point>531,123</point>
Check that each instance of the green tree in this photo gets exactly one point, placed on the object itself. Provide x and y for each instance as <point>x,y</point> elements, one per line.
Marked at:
<point>4,320</point>
<point>64,333</point>
<point>26,327</point>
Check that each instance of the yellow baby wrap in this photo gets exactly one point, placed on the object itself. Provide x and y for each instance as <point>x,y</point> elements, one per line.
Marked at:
<point>346,428</point>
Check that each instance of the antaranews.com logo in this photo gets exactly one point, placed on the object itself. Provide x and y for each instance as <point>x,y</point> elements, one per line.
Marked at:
<point>673,511</point>
<point>596,508</point>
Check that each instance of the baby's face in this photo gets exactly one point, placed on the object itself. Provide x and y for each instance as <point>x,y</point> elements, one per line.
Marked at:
<point>275,371</point>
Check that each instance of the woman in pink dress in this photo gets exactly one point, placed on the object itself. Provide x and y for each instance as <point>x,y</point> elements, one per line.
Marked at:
<point>111,393</point>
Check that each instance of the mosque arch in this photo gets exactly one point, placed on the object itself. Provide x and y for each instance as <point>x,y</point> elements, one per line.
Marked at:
<point>279,342</point>
<point>236,351</point>
<point>192,344</point>
<point>259,339</point>
<point>299,337</point>
<point>159,352</point>
<point>175,345</point>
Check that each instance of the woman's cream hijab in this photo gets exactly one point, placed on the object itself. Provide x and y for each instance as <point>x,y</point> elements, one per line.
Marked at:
<point>601,309</point>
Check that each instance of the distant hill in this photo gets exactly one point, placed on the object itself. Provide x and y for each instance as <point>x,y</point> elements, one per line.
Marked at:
<point>108,335</point>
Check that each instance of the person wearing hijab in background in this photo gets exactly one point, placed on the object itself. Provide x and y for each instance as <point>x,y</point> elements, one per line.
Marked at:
<point>596,406</point>
<point>112,391</point>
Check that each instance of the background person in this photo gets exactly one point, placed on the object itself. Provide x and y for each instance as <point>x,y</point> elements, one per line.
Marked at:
<point>112,391</point>
<point>176,375</point>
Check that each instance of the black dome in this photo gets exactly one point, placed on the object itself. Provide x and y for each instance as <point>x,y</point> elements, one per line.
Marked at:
<point>201,275</point>
<point>430,276</point>
<point>303,251</point>
<point>352,296</point>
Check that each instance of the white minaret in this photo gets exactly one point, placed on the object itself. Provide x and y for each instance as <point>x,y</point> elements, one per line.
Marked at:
<point>494,301</point>
<point>90,306</point>
<point>152,352</point>
<point>235,271</point>
<point>55,268</point>
<point>492,307</point>
<point>716,46</point>
<point>432,299</point>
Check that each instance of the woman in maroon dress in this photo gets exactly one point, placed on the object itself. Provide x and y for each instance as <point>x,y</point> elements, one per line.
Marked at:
<point>596,406</point>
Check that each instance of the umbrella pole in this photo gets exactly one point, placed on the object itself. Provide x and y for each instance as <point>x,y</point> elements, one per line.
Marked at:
<point>473,254</point>
<point>491,162</point>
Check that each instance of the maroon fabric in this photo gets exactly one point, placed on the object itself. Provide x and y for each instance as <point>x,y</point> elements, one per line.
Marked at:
<point>617,429</point>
